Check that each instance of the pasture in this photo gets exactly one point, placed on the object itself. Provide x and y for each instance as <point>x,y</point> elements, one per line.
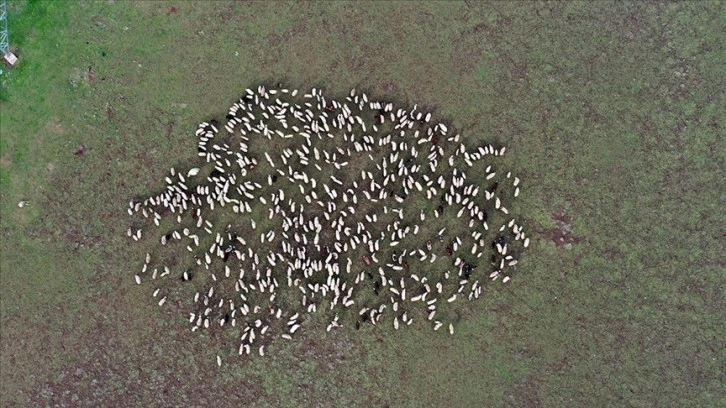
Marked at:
<point>612,115</point>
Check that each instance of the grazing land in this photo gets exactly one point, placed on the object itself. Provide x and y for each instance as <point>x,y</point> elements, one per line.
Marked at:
<point>612,114</point>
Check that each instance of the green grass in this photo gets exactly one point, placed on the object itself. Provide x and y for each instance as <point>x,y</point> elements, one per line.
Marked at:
<point>612,112</point>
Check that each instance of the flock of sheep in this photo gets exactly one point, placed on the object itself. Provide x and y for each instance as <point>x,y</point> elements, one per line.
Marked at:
<point>355,209</point>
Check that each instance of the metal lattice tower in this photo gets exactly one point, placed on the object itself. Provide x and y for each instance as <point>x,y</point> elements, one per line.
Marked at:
<point>4,41</point>
<point>8,55</point>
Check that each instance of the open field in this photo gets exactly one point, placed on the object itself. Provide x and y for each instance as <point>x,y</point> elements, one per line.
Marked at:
<point>612,114</point>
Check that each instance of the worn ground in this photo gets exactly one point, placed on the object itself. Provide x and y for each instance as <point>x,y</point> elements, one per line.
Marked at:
<point>613,114</point>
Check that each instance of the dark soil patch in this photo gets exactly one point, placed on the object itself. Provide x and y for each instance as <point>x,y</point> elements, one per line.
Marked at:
<point>390,87</point>
<point>110,113</point>
<point>525,394</point>
<point>562,234</point>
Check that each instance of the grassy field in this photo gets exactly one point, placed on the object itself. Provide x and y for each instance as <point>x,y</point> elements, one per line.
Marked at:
<point>612,114</point>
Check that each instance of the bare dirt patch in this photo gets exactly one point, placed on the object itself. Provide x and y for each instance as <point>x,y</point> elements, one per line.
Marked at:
<point>562,234</point>
<point>525,394</point>
<point>55,127</point>
<point>6,161</point>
